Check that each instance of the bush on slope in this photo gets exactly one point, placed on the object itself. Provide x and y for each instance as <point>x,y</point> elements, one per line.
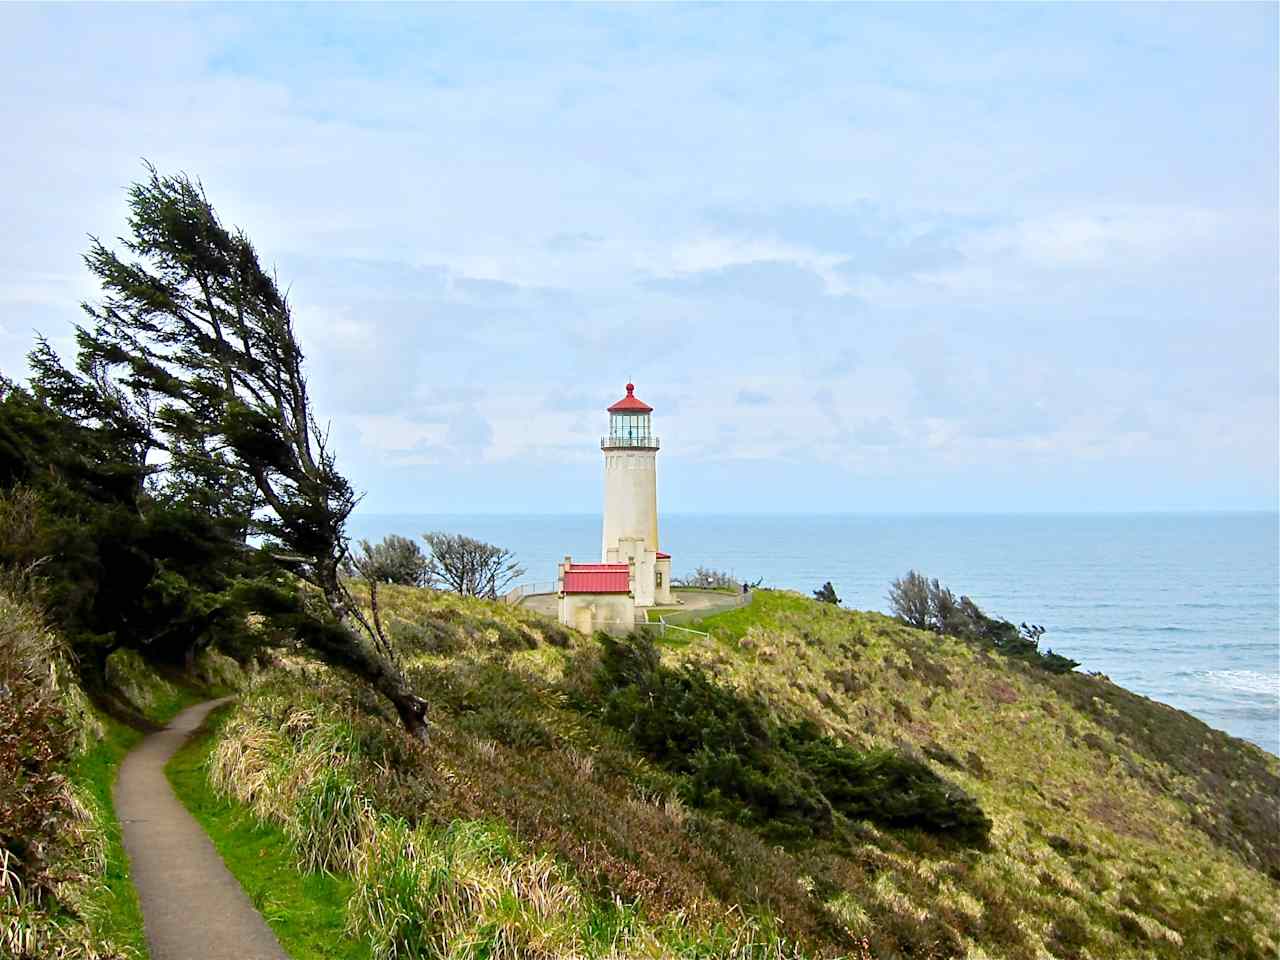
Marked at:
<point>790,779</point>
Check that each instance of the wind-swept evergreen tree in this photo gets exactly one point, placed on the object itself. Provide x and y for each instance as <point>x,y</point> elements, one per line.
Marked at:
<point>190,321</point>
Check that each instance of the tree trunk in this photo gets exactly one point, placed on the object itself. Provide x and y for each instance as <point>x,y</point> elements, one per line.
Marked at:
<point>347,649</point>
<point>350,652</point>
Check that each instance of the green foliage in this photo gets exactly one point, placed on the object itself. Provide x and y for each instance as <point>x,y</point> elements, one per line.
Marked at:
<point>1232,786</point>
<point>396,559</point>
<point>36,743</point>
<point>130,676</point>
<point>423,880</point>
<point>789,779</point>
<point>928,605</point>
<point>185,427</point>
<point>330,819</point>
<point>826,593</point>
<point>120,563</point>
<point>467,890</point>
<point>470,567</point>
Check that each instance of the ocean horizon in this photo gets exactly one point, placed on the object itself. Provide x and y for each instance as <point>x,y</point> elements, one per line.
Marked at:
<point>1180,607</point>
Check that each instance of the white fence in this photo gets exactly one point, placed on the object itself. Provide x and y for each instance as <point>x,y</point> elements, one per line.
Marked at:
<point>661,628</point>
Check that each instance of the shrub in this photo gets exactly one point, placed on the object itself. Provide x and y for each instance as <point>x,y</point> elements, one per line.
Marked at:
<point>331,817</point>
<point>136,681</point>
<point>51,846</point>
<point>910,600</point>
<point>709,579</point>
<point>827,593</point>
<point>469,567</point>
<point>297,767</point>
<point>928,605</point>
<point>396,560</point>
<point>466,890</point>
<point>789,780</point>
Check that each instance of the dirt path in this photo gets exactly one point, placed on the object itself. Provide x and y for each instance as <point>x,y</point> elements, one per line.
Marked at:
<point>192,907</point>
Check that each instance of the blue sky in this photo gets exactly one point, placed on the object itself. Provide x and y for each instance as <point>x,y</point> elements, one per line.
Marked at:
<point>859,258</point>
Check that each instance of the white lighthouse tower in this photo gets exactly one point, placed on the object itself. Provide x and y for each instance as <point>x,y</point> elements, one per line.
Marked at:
<point>632,571</point>
<point>631,499</point>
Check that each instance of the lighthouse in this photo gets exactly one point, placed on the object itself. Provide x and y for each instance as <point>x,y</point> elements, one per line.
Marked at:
<point>630,527</point>
<point>632,571</point>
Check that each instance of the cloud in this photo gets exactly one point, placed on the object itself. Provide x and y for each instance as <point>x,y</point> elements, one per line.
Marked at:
<point>927,253</point>
<point>766,281</point>
<point>840,364</point>
<point>573,242</point>
<point>483,289</point>
<point>487,224</point>
<point>879,432</point>
<point>469,431</point>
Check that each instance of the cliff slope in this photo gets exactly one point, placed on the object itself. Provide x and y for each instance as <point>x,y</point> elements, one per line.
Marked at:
<point>808,781</point>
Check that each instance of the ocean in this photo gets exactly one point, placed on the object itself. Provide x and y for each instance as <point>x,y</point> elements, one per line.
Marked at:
<point>1183,608</point>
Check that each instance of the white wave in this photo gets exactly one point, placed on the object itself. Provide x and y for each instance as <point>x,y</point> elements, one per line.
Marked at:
<point>1247,681</point>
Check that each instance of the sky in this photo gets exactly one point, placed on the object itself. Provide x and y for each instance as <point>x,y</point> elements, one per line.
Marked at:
<point>859,258</point>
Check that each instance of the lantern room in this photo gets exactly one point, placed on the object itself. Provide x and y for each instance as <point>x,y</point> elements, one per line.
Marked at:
<point>629,424</point>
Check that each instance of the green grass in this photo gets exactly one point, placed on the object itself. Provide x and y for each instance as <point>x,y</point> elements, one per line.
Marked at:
<point>306,911</point>
<point>117,915</point>
<point>765,604</point>
<point>113,904</point>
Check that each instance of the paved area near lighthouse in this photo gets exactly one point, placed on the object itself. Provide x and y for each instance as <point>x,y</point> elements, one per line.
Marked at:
<point>703,602</point>
<point>193,908</point>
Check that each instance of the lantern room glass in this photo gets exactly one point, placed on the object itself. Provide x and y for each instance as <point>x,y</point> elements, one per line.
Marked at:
<point>629,427</point>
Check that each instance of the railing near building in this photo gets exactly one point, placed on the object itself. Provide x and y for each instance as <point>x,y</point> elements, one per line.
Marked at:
<point>637,443</point>
<point>661,627</point>
<point>517,593</point>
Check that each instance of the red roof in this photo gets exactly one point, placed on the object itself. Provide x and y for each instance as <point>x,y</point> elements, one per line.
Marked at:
<point>598,578</point>
<point>663,556</point>
<point>631,403</point>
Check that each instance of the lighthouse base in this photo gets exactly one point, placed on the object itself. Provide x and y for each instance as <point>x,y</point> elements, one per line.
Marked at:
<point>652,570</point>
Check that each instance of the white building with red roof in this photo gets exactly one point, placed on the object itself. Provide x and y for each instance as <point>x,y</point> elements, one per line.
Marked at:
<point>633,571</point>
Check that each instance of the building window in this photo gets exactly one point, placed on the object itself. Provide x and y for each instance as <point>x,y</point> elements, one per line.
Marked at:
<point>659,578</point>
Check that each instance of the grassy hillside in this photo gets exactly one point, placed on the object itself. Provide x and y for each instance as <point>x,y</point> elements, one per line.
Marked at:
<point>809,781</point>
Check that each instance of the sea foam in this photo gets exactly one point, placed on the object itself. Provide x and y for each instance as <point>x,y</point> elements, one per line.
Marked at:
<point>1247,681</point>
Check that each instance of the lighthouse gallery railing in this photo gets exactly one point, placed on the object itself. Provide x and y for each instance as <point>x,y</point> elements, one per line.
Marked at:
<point>643,443</point>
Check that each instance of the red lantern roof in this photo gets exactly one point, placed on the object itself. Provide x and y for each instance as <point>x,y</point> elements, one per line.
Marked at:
<point>598,578</point>
<point>663,556</point>
<point>631,403</point>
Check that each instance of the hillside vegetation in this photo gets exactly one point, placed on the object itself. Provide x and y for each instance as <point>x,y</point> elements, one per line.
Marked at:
<point>810,781</point>
<point>65,890</point>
